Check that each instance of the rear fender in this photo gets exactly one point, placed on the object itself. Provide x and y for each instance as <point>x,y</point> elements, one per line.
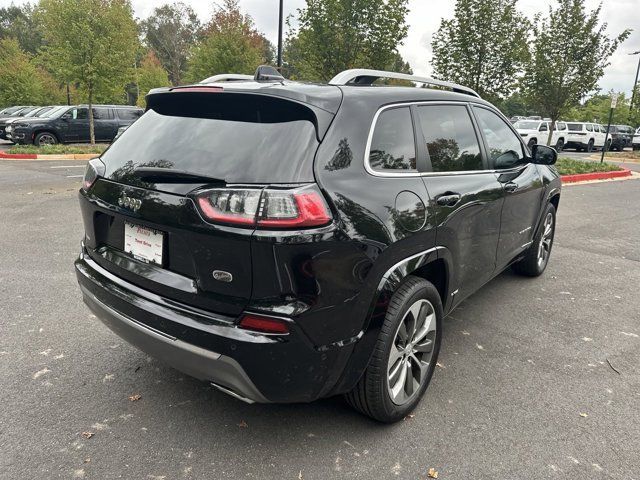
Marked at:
<point>387,286</point>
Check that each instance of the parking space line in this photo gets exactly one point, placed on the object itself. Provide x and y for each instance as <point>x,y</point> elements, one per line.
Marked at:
<point>75,176</point>
<point>68,166</point>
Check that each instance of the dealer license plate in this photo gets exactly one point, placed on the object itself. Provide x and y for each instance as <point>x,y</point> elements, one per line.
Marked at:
<point>143,243</point>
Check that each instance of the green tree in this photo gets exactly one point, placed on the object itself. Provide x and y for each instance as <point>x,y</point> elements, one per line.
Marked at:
<point>336,35</point>
<point>596,109</point>
<point>483,47</point>
<point>569,54</point>
<point>19,22</point>
<point>171,31</point>
<point>150,75</point>
<point>22,82</point>
<point>231,44</point>
<point>91,43</point>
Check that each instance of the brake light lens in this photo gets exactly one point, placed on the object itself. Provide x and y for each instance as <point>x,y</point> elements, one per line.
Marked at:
<point>259,323</point>
<point>95,169</point>
<point>265,208</point>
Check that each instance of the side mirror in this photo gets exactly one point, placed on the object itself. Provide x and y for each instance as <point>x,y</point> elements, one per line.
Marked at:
<point>543,155</point>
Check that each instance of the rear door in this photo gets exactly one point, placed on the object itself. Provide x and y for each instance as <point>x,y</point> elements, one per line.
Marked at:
<point>466,197</point>
<point>77,125</point>
<point>104,124</point>
<point>520,181</point>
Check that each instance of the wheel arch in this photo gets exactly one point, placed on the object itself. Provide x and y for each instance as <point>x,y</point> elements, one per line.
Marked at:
<point>45,130</point>
<point>433,265</point>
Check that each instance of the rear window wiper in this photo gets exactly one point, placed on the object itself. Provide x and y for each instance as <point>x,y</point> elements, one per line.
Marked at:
<point>167,175</point>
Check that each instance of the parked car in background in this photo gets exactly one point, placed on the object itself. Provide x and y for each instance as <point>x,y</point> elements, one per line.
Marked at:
<point>585,136</point>
<point>305,241</point>
<point>19,113</point>
<point>46,112</point>
<point>636,140</point>
<point>11,110</point>
<point>537,131</point>
<point>6,121</point>
<point>620,137</point>
<point>71,125</point>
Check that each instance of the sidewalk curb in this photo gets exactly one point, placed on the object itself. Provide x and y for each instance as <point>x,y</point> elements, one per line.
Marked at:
<point>33,156</point>
<point>581,177</point>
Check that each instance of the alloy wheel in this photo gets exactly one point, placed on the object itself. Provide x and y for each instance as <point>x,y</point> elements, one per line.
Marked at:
<point>544,249</point>
<point>411,352</point>
<point>47,139</point>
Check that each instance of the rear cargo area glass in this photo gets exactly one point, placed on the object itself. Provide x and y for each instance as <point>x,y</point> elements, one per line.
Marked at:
<point>238,138</point>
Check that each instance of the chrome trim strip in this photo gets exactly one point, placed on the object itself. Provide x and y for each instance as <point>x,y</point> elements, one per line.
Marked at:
<point>377,173</point>
<point>388,273</point>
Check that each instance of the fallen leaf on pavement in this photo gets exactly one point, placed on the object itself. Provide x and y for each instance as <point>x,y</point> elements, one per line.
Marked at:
<point>438,364</point>
<point>243,424</point>
<point>409,417</point>
<point>88,434</point>
<point>584,415</point>
<point>432,473</point>
<point>135,398</point>
<point>300,477</point>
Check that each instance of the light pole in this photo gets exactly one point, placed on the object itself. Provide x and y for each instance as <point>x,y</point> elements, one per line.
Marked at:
<point>280,21</point>
<point>635,83</point>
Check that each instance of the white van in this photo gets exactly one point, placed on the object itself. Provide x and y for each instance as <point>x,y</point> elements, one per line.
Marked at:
<point>537,131</point>
<point>585,136</point>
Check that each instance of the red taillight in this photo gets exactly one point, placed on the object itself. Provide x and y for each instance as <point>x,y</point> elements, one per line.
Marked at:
<point>258,323</point>
<point>95,169</point>
<point>265,208</point>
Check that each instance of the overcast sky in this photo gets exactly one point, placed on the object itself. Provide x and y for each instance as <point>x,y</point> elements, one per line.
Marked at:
<point>424,18</point>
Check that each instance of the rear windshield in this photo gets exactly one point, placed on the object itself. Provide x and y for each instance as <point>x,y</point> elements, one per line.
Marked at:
<point>237,138</point>
<point>575,127</point>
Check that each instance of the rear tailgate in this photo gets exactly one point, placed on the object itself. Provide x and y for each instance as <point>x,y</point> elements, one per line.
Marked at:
<point>226,139</point>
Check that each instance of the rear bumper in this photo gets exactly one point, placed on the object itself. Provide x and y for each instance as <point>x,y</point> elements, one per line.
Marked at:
<point>251,366</point>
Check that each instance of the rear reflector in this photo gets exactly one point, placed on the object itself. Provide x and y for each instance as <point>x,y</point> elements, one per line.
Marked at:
<point>302,207</point>
<point>258,323</point>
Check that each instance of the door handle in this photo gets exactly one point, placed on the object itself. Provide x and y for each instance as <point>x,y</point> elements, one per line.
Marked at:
<point>510,187</point>
<point>448,199</point>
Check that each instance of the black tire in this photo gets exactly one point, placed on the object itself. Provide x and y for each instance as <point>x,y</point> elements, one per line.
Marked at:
<point>559,145</point>
<point>531,265</point>
<point>371,395</point>
<point>45,138</point>
<point>590,145</point>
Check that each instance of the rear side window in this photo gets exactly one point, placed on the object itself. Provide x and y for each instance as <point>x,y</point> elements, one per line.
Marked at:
<point>575,127</point>
<point>129,113</point>
<point>102,113</point>
<point>238,138</point>
<point>451,140</point>
<point>589,128</point>
<point>561,126</point>
<point>393,145</point>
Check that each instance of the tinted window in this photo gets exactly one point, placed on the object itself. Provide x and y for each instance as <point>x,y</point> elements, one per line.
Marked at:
<point>129,113</point>
<point>451,140</point>
<point>505,148</point>
<point>78,113</point>
<point>561,126</point>
<point>234,137</point>
<point>589,128</point>
<point>575,127</point>
<point>393,146</point>
<point>102,113</point>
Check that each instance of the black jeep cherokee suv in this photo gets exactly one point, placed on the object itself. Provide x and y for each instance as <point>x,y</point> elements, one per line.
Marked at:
<point>288,241</point>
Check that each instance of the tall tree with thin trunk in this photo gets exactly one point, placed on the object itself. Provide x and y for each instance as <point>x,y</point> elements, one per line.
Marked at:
<point>570,52</point>
<point>484,46</point>
<point>91,43</point>
<point>171,31</point>
<point>336,35</point>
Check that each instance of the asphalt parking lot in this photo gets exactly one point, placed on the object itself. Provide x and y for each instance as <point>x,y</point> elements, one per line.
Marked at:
<point>539,378</point>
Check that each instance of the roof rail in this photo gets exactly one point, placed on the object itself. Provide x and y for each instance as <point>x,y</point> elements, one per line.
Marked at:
<point>361,76</point>
<point>227,77</point>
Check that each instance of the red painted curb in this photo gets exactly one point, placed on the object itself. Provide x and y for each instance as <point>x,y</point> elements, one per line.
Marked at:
<point>581,177</point>
<point>20,156</point>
